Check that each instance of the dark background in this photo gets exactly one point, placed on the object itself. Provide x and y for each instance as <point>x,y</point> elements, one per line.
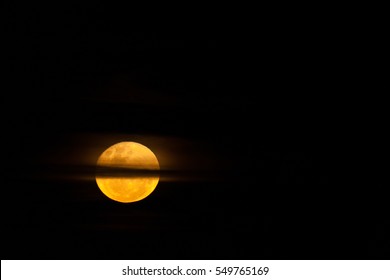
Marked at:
<point>283,159</point>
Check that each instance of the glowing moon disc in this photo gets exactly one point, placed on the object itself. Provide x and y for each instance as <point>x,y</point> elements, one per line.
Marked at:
<point>128,156</point>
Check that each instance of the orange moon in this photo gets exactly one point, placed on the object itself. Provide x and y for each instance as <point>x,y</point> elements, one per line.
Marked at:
<point>130,156</point>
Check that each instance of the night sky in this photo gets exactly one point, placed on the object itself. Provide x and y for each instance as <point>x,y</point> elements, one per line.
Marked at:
<point>262,154</point>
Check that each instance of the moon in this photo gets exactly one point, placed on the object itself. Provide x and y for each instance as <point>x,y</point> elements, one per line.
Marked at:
<point>133,157</point>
